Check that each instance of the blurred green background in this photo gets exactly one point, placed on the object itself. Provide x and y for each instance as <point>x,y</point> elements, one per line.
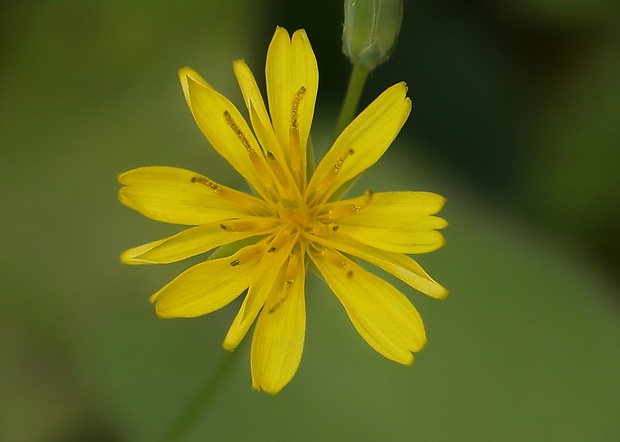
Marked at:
<point>516,120</point>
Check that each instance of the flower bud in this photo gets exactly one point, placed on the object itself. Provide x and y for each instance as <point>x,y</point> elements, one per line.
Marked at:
<point>370,31</point>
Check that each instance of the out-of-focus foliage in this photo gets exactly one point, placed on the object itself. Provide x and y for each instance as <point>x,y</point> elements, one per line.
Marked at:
<point>515,101</point>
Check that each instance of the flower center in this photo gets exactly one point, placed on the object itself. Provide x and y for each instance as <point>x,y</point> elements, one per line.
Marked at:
<point>294,212</point>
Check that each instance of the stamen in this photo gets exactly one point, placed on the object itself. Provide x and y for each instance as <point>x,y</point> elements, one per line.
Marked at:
<point>258,161</point>
<point>298,158</point>
<point>248,254</point>
<point>258,224</point>
<point>283,176</point>
<point>231,123</point>
<point>337,260</point>
<point>316,229</point>
<point>328,180</point>
<point>367,197</point>
<point>207,182</point>
<point>254,205</point>
<point>295,111</point>
<point>228,228</point>
<point>340,162</point>
<point>282,295</point>
<point>279,240</point>
<point>289,279</point>
<point>341,209</point>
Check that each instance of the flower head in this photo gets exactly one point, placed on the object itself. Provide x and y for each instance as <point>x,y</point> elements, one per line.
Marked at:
<point>291,221</point>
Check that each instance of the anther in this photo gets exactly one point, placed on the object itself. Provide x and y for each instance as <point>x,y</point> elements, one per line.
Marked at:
<point>228,228</point>
<point>340,162</point>
<point>340,209</point>
<point>278,170</point>
<point>285,291</point>
<point>207,182</point>
<point>235,263</point>
<point>295,110</point>
<point>231,123</point>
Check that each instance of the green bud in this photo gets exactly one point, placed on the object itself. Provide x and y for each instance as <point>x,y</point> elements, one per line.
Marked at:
<point>370,31</point>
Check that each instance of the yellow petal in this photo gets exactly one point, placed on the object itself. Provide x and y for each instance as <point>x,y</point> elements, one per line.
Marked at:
<point>256,107</point>
<point>278,341</point>
<point>265,286</point>
<point>268,278</point>
<point>408,240</point>
<point>381,314</point>
<point>398,264</point>
<point>362,143</point>
<point>291,68</point>
<point>394,221</point>
<point>226,129</point>
<point>276,159</point>
<point>306,75</point>
<point>278,80</point>
<point>390,207</point>
<point>181,196</point>
<point>196,240</point>
<point>238,329</point>
<point>207,286</point>
<point>185,75</point>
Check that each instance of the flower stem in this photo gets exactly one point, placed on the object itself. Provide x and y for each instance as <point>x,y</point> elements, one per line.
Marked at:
<point>203,399</point>
<point>352,98</point>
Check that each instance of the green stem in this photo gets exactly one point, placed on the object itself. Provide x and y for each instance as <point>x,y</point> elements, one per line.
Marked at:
<point>203,399</point>
<point>359,74</point>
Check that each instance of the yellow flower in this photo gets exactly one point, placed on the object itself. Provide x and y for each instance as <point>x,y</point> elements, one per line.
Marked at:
<point>293,219</point>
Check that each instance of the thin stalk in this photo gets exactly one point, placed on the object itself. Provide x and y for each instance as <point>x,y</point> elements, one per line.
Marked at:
<point>359,74</point>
